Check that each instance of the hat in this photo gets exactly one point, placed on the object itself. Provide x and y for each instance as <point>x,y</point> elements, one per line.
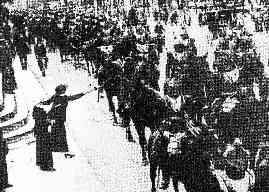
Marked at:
<point>60,89</point>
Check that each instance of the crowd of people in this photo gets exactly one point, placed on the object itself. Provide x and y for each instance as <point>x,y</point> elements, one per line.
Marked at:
<point>210,125</point>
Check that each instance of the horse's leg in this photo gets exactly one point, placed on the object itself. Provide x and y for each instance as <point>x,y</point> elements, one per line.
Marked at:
<point>165,175</point>
<point>153,170</point>
<point>78,58</point>
<point>75,60</point>
<point>126,123</point>
<point>153,162</point>
<point>61,55</point>
<point>124,114</point>
<point>140,128</point>
<point>92,66</point>
<point>129,135</point>
<point>88,67</point>
<point>111,105</point>
<point>175,183</point>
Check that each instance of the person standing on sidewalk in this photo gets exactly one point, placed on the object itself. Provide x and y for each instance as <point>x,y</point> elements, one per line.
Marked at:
<point>57,115</point>
<point>44,157</point>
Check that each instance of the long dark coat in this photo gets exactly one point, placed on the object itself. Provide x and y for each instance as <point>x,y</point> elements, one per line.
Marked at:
<point>58,114</point>
<point>43,145</point>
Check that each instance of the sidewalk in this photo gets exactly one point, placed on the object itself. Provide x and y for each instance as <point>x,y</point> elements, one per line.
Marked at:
<point>71,175</point>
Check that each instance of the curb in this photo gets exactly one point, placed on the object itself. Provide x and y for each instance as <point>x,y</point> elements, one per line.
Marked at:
<point>11,114</point>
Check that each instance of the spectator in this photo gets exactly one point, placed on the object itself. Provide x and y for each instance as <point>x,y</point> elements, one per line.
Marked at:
<point>57,115</point>
<point>43,149</point>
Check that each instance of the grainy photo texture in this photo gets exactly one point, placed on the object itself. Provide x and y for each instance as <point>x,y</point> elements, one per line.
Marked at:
<point>134,96</point>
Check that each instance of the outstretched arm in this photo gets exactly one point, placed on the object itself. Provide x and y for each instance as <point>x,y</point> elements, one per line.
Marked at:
<point>77,96</point>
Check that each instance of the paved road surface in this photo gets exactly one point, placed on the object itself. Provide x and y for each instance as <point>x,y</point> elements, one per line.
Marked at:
<point>116,163</point>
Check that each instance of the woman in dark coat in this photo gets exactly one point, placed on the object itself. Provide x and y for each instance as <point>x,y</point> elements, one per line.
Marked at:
<point>43,149</point>
<point>57,115</point>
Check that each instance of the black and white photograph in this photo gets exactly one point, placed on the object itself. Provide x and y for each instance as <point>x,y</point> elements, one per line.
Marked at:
<point>134,96</point>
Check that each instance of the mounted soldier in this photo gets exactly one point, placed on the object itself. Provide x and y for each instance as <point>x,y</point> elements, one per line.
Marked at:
<point>124,109</point>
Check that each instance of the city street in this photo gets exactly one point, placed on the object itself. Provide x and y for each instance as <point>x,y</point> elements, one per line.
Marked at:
<point>104,160</point>
<point>108,160</point>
